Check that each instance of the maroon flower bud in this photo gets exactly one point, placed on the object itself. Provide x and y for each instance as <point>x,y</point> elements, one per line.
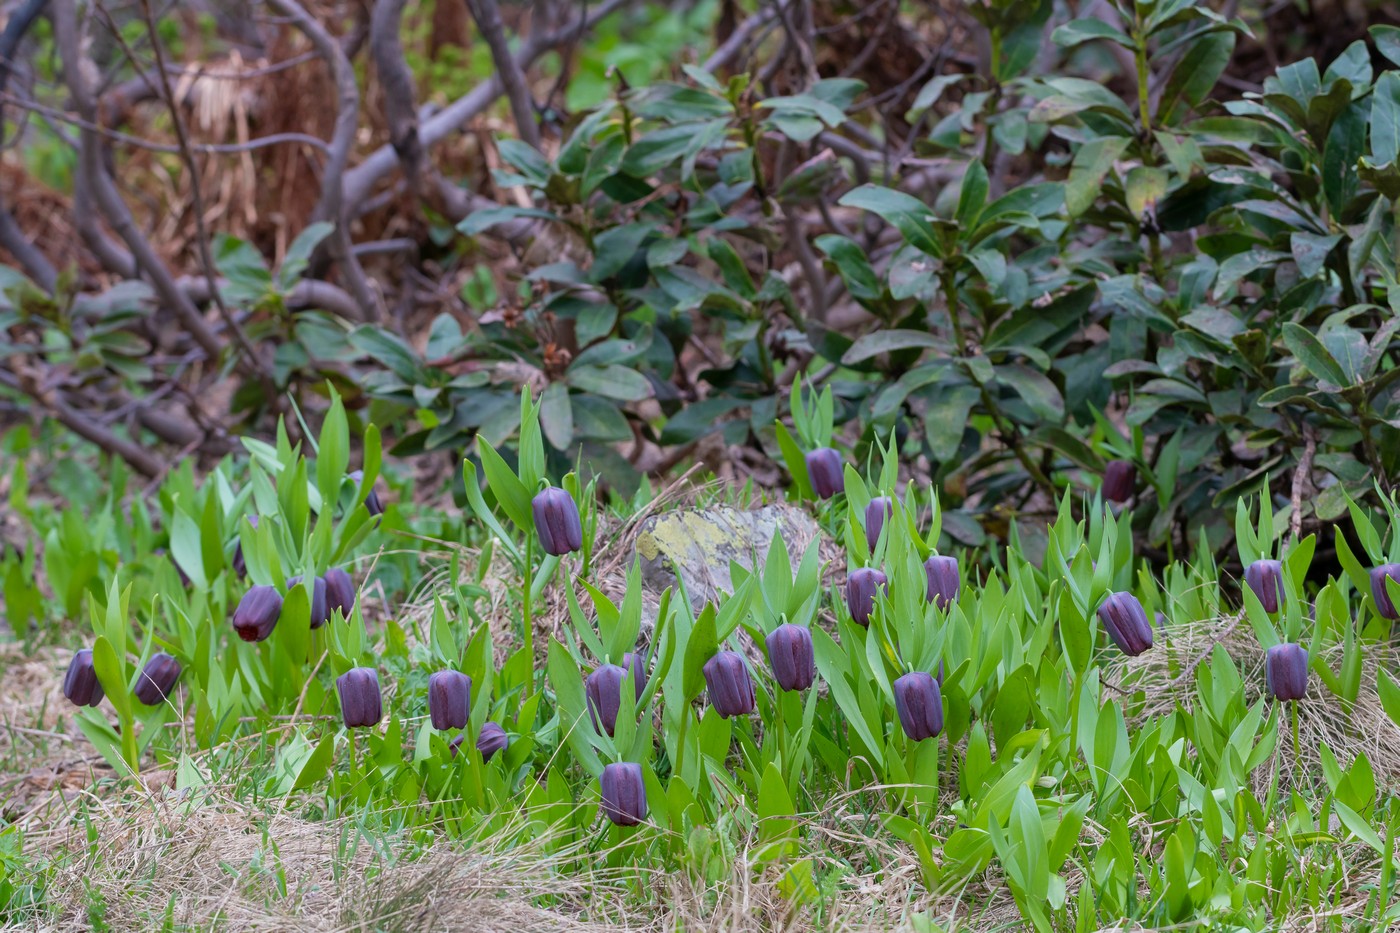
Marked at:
<point>340,592</point>
<point>238,564</point>
<point>1286,671</point>
<point>731,687</point>
<point>1126,621</point>
<point>826,471</point>
<point>157,679</point>
<point>373,504</point>
<point>919,704</point>
<point>80,684</point>
<point>1265,578</point>
<point>360,702</point>
<point>320,615</point>
<point>636,662</point>
<point>557,521</point>
<point>880,508</point>
<point>1378,592</point>
<point>791,657</point>
<point>603,689</point>
<point>624,793</point>
<point>257,613</point>
<point>1119,477</point>
<point>491,740</point>
<point>449,699</point>
<point>861,585</point>
<point>944,579</point>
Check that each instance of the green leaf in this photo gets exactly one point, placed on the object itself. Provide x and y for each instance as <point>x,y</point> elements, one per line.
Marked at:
<point>506,487</point>
<point>483,220</point>
<point>850,260</point>
<point>886,341</point>
<point>907,214</point>
<point>1078,31</point>
<point>1313,355</point>
<point>1205,60</point>
<point>615,382</point>
<point>1389,692</point>
<point>972,196</point>
<point>557,415</point>
<point>1385,119</point>
<point>1091,163</point>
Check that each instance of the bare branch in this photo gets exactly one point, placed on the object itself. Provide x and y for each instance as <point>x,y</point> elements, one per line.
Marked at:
<point>15,242</point>
<point>512,75</point>
<point>82,425</point>
<point>397,82</point>
<point>250,353</point>
<point>361,179</point>
<point>104,191</point>
<point>332,204</point>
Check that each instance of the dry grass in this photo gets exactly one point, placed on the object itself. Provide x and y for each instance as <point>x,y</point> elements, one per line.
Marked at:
<point>1322,716</point>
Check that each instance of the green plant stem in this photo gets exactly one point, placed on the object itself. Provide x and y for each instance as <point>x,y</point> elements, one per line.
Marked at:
<point>1293,710</point>
<point>1140,54</point>
<point>528,636</point>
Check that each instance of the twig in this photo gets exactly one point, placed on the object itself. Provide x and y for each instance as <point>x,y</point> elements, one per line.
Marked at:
<point>512,76</point>
<point>333,197</point>
<point>255,363</point>
<point>1295,518</point>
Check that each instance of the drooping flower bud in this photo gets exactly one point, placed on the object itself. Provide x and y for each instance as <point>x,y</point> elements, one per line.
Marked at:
<point>240,567</point>
<point>80,684</point>
<point>1126,622</point>
<point>320,615</point>
<point>557,521</point>
<point>636,663</point>
<point>491,740</point>
<point>340,591</point>
<point>731,687</point>
<point>449,699</point>
<point>1119,477</point>
<point>1286,671</point>
<point>1378,591</point>
<point>826,471</point>
<point>919,704</point>
<point>861,585</point>
<point>1265,578</point>
<point>603,689</point>
<point>360,701</point>
<point>879,509</point>
<point>791,657</point>
<point>373,504</point>
<point>157,679</point>
<point>257,613</point>
<point>624,793</point>
<point>944,580</point>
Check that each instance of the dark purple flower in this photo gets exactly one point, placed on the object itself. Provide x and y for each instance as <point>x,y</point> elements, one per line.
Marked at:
<point>340,591</point>
<point>603,689</point>
<point>1378,592</point>
<point>1119,477</point>
<point>624,793</point>
<point>879,509</point>
<point>449,699</point>
<point>791,657</point>
<point>491,740</point>
<point>239,566</point>
<point>557,521</point>
<point>157,679</point>
<point>1286,671</point>
<point>944,580</point>
<point>1126,621</point>
<point>373,504</point>
<point>80,684</point>
<point>360,701</point>
<point>320,615</point>
<point>919,704</point>
<point>636,663</point>
<point>861,585</point>
<point>826,471</point>
<point>731,687</point>
<point>1265,578</point>
<point>257,613</point>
